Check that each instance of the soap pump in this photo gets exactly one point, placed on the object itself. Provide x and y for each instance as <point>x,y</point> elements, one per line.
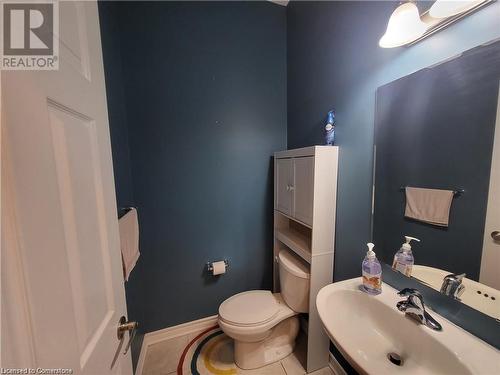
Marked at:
<point>403,259</point>
<point>372,272</point>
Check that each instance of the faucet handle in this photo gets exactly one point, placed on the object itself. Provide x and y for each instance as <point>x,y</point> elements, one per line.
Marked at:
<point>413,304</point>
<point>414,307</point>
<point>406,292</point>
<point>456,277</point>
<point>414,300</point>
<point>452,285</point>
<point>460,291</point>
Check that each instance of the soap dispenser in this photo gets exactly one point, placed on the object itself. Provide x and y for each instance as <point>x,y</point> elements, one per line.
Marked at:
<point>403,259</point>
<point>372,272</point>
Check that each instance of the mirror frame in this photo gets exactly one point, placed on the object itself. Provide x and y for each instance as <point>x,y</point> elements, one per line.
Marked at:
<point>484,327</point>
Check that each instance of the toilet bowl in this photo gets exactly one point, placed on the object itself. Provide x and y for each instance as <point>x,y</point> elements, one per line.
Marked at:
<point>264,325</point>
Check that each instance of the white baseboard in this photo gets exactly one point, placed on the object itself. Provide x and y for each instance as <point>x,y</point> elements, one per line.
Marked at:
<point>179,330</point>
<point>335,366</point>
<point>168,333</point>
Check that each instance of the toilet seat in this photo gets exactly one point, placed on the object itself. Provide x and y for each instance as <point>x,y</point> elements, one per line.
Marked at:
<point>247,309</point>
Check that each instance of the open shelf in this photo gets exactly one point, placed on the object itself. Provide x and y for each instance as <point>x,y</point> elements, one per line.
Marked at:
<point>295,220</point>
<point>294,235</point>
<point>296,241</point>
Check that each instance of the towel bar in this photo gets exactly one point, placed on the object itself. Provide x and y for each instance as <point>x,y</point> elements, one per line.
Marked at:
<point>456,192</point>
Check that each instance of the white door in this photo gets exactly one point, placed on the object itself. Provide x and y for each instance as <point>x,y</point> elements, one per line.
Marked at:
<point>283,186</point>
<point>303,186</point>
<point>63,293</point>
<point>490,261</point>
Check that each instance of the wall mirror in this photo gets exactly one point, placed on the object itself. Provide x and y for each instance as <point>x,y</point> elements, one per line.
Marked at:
<point>439,128</point>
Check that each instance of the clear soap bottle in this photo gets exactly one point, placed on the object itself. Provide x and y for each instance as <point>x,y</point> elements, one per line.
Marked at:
<point>372,272</point>
<point>403,259</point>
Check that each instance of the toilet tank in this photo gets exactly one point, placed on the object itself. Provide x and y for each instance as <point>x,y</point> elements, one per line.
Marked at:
<point>294,277</point>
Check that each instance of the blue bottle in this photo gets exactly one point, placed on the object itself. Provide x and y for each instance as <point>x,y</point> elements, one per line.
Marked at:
<point>330,128</point>
<point>372,272</point>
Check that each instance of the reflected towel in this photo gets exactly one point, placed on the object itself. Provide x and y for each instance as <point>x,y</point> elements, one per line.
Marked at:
<point>129,241</point>
<point>429,205</point>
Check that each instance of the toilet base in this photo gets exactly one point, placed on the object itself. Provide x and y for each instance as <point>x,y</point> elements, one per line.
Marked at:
<point>279,344</point>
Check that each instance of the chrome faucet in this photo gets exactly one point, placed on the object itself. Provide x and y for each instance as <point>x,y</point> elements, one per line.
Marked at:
<point>452,285</point>
<point>414,307</point>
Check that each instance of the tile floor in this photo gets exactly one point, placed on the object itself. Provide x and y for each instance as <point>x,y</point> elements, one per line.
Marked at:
<point>162,359</point>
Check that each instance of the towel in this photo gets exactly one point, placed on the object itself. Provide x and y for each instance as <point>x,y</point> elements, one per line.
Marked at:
<point>429,205</point>
<point>129,241</point>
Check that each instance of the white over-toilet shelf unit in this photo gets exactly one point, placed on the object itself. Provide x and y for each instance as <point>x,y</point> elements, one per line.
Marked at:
<point>305,200</point>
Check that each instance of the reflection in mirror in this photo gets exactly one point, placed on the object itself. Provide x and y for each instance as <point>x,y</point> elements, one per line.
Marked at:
<point>437,177</point>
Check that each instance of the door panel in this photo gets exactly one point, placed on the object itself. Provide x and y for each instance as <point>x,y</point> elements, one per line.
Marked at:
<point>78,176</point>
<point>283,183</point>
<point>63,204</point>
<point>303,186</point>
<point>73,37</point>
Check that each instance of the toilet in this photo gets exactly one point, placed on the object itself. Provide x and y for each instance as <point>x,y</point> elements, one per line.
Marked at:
<point>264,325</point>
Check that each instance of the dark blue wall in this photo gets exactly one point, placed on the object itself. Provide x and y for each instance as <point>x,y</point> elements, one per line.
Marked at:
<point>116,103</point>
<point>334,61</point>
<point>205,99</point>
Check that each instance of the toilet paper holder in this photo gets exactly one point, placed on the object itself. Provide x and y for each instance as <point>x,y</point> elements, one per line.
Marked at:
<point>210,268</point>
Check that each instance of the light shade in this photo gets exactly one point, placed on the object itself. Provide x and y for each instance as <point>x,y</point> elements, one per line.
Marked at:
<point>449,8</point>
<point>404,27</point>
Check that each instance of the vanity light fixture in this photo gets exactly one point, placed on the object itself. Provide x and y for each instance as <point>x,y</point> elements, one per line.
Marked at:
<point>407,26</point>
<point>450,8</point>
<point>404,26</point>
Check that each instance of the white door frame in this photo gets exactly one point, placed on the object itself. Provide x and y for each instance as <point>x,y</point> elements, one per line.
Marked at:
<point>490,259</point>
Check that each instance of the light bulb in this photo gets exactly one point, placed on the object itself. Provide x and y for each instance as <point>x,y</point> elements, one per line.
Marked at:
<point>403,27</point>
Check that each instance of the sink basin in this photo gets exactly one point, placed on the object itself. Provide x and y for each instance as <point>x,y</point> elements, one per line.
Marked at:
<point>478,296</point>
<point>366,329</point>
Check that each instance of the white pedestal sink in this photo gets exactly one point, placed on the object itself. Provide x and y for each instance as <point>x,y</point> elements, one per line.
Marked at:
<point>366,329</point>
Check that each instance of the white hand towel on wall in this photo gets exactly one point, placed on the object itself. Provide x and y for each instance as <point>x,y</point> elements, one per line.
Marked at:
<point>129,241</point>
<point>429,205</point>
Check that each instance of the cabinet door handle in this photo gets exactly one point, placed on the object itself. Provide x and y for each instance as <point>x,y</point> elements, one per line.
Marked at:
<point>292,188</point>
<point>495,235</point>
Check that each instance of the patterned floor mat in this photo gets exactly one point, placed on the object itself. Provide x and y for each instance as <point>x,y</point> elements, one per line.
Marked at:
<point>211,352</point>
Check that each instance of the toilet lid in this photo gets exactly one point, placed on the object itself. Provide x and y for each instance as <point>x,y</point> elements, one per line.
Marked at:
<point>249,308</point>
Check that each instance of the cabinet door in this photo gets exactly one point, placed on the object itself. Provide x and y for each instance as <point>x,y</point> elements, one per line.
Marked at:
<point>283,183</point>
<point>303,188</point>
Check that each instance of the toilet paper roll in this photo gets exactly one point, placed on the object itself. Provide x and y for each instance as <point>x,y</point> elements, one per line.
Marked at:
<point>219,267</point>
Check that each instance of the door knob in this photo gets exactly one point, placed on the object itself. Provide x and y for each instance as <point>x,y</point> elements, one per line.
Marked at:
<point>495,235</point>
<point>124,326</point>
